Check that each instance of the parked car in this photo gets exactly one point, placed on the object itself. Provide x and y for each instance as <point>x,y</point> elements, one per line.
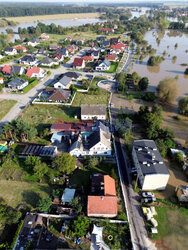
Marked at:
<point>148,194</point>
<point>148,200</point>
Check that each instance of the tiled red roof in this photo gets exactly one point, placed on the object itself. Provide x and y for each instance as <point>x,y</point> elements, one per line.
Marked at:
<point>32,70</point>
<point>109,186</point>
<point>88,58</point>
<point>110,57</point>
<point>73,126</point>
<point>102,205</point>
<point>7,69</point>
<point>59,56</point>
<point>78,62</point>
<point>106,29</point>
<point>20,47</point>
<point>118,46</point>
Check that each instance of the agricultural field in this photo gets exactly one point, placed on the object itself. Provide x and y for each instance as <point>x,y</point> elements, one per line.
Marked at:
<point>27,19</point>
<point>5,107</point>
<point>20,192</point>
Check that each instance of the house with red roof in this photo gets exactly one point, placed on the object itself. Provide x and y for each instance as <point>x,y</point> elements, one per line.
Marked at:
<point>20,47</point>
<point>7,69</point>
<point>1,80</point>
<point>35,72</point>
<point>118,48</point>
<point>102,202</point>
<point>111,57</point>
<point>106,30</point>
<point>78,63</point>
<point>72,48</point>
<point>88,58</point>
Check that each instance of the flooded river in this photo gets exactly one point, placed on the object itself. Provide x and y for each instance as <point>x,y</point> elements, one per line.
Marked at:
<point>168,67</point>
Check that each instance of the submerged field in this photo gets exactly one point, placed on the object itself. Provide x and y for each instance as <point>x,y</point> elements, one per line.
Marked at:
<point>27,19</point>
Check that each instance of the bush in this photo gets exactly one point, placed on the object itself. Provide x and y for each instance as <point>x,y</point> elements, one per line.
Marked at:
<point>186,71</point>
<point>178,158</point>
<point>183,106</point>
<point>167,90</point>
<point>149,96</point>
<point>143,83</point>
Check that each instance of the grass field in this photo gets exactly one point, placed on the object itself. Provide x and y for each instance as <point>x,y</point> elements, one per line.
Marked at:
<point>113,68</point>
<point>19,192</point>
<point>5,107</point>
<point>27,19</point>
<point>47,114</point>
<point>87,98</point>
<point>172,228</point>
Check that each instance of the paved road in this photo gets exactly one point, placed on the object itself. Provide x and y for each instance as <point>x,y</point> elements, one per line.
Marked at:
<point>139,235</point>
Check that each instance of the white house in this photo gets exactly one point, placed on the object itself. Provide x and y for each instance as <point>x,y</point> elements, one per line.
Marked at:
<point>29,60</point>
<point>10,51</point>
<point>49,62</point>
<point>93,111</point>
<point>151,170</point>
<point>35,72</point>
<point>97,144</point>
<point>104,65</point>
<point>78,63</point>
<point>18,84</point>
<point>1,80</point>
<point>33,42</point>
<point>63,83</point>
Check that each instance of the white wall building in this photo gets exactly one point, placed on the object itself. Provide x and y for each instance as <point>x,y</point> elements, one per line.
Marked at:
<point>152,172</point>
<point>93,111</point>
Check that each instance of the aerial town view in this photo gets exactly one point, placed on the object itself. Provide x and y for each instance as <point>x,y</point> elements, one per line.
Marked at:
<point>94,124</point>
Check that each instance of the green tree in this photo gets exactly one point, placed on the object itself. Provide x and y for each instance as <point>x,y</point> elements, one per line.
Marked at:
<point>31,162</point>
<point>65,163</point>
<point>8,215</point>
<point>183,106</point>
<point>186,71</point>
<point>80,226</point>
<point>178,158</point>
<point>41,170</point>
<point>92,162</point>
<point>44,204</point>
<point>75,203</point>
<point>143,83</point>
<point>167,90</point>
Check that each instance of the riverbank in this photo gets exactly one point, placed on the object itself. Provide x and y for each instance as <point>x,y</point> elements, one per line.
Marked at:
<point>27,19</point>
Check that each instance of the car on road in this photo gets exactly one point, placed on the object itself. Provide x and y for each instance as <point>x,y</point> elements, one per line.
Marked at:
<point>148,200</point>
<point>148,194</point>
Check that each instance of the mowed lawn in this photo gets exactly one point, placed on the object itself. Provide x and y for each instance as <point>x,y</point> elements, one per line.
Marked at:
<point>85,98</point>
<point>5,107</point>
<point>20,192</point>
<point>47,114</point>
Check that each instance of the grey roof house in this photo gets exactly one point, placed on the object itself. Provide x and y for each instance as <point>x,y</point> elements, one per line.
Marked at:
<point>104,65</point>
<point>63,83</point>
<point>29,60</point>
<point>93,111</point>
<point>18,84</point>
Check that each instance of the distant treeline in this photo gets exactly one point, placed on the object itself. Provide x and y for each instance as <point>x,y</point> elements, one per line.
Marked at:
<point>28,10</point>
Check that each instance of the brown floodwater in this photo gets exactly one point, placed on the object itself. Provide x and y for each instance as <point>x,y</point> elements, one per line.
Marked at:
<point>169,67</point>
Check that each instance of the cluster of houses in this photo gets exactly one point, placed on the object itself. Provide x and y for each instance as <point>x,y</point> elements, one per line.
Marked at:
<point>85,137</point>
<point>113,47</point>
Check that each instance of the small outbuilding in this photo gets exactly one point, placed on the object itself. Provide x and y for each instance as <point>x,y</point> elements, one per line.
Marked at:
<point>68,195</point>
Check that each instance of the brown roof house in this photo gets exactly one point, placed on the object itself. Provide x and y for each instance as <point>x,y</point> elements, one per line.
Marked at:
<point>93,111</point>
<point>59,95</point>
<point>78,63</point>
<point>103,200</point>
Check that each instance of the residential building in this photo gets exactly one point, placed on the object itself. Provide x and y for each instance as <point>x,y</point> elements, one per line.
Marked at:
<point>114,40</point>
<point>20,47</point>
<point>93,111</point>
<point>10,51</point>
<point>105,43</point>
<point>59,95</point>
<point>78,63</point>
<point>100,38</point>
<point>48,62</point>
<point>72,48</point>
<point>182,193</point>
<point>44,36</point>
<point>34,42</point>
<point>88,58</point>
<point>104,65</point>
<point>151,169</point>
<point>63,51</point>
<point>1,80</point>
<point>103,200</point>
<point>63,83</point>
<point>35,72</point>
<point>18,84</point>
<point>73,75</point>
<point>97,143</point>
<point>106,30</point>
<point>53,47</point>
<point>29,60</point>
<point>16,70</point>
<point>6,69</point>
<point>111,57</point>
<point>41,51</point>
